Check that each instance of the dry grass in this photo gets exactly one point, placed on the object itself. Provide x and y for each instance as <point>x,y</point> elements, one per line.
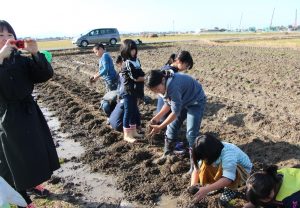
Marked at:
<point>255,39</point>
<point>55,44</point>
<point>288,43</point>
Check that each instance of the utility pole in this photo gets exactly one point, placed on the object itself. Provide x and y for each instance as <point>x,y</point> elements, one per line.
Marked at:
<point>272,19</point>
<point>295,25</point>
<point>173,22</point>
<point>241,22</point>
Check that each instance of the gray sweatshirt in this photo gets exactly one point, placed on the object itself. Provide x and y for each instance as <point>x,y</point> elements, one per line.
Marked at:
<point>183,91</point>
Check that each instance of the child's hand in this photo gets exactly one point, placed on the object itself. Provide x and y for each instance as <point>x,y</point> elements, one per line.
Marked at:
<point>155,129</point>
<point>93,79</point>
<point>200,195</point>
<point>152,122</point>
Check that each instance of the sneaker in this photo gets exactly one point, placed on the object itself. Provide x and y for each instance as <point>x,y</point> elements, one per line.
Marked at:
<point>227,196</point>
<point>179,149</point>
<point>31,205</point>
<point>40,191</point>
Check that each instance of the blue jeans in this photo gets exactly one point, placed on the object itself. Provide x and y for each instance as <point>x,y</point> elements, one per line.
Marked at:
<point>111,85</point>
<point>131,111</point>
<point>193,115</point>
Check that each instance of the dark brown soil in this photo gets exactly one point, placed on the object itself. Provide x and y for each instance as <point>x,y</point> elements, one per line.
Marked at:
<point>253,101</point>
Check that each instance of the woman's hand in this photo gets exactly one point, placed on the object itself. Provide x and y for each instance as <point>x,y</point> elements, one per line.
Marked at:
<point>31,46</point>
<point>7,49</point>
<point>203,191</point>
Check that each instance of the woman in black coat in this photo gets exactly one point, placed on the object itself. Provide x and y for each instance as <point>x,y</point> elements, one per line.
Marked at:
<point>27,152</point>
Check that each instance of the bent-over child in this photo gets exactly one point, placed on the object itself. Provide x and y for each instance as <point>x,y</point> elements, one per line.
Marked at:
<point>274,188</point>
<point>218,165</point>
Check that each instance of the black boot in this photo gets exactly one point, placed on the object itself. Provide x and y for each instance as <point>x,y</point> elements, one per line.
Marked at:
<point>168,150</point>
<point>169,146</point>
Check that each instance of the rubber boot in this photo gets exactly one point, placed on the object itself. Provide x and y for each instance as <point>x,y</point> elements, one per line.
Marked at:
<point>128,137</point>
<point>168,150</point>
<point>134,132</point>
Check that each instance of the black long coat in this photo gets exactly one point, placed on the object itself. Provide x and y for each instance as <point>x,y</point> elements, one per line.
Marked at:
<point>27,153</point>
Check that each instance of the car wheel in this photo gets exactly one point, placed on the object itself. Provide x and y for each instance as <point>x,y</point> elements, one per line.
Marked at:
<point>84,43</point>
<point>113,42</point>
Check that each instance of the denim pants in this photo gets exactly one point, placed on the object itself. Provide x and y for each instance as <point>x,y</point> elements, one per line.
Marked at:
<point>193,115</point>
<point>131,111</point>
<point>111,85</point>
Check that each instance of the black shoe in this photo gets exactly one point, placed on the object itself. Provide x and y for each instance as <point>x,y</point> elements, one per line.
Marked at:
<point>227,196</point>
<point>40,191</point>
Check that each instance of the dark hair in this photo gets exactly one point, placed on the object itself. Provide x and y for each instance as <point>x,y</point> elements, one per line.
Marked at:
<point>171,59</point>
<point>207,148</point>
<point>154,78</point>
<point>119,59</point>
<point>260,184</point>
<point>97,46</point>
<point>8,27</point>
<point>185,57</point>
<point>126,47</point>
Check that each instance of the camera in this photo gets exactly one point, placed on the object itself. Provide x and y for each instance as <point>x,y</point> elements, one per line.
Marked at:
<point>20,43</point>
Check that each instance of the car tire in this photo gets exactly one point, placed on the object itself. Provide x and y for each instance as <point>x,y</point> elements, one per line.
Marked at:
<point>113,41</point>
<point>84,43</point>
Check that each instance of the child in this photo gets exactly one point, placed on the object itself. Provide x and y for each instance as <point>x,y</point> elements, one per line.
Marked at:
<point>117,115</point>
<point>171,59</point>
<point>180,62</point>
<point>106,68</point>
<point>186,99</point>
<point>183,61</point>
<point>274,188</point>
<point>132,89</point>
<point>109,101</point>
<point>221,164</point>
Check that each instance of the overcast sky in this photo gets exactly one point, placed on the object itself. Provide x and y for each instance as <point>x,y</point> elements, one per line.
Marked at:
<point>40,18</point>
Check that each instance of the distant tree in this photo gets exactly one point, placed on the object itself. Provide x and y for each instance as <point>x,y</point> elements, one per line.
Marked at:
<point>252,29</point>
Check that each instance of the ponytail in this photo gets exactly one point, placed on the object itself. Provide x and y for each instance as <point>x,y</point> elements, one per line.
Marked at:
<point>272,172</point>
<point>261,184</point>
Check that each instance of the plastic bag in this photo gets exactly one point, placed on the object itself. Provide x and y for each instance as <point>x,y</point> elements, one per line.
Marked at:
<point>9,195</point>
<point>48,55</point>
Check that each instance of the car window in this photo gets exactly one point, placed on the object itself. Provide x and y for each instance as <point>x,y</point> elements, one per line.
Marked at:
<point>102,32</point>
<point>93,33</point>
